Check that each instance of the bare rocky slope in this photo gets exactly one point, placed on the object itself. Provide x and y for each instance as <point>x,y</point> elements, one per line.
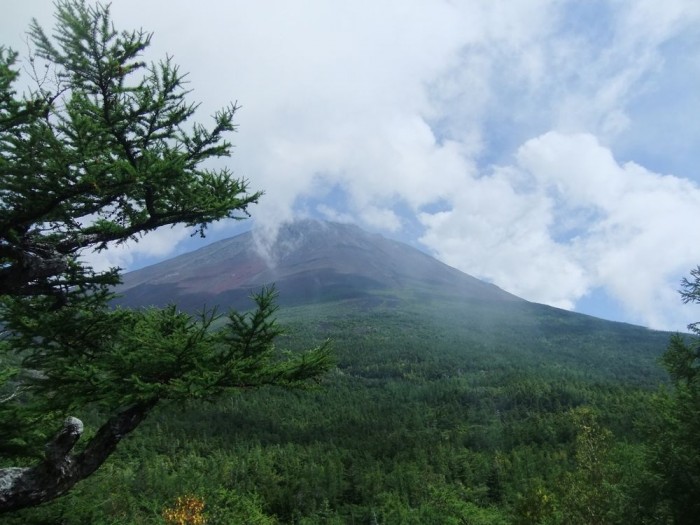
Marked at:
<point>310,262</point>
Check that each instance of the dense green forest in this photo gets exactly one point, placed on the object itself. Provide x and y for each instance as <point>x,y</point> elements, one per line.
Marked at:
<point>422,421</point>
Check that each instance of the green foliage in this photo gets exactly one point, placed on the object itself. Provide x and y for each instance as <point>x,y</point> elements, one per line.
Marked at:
<point>99,153</point>
<point>411,427</point>
<point>674,455</point>
<point>595,491</point>
<point>112,358</point>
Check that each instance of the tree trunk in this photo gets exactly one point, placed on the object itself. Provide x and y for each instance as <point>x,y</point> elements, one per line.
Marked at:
<point>22,487</point>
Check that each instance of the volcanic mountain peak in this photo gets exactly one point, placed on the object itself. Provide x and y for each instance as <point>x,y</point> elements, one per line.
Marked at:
<point>308,261</point>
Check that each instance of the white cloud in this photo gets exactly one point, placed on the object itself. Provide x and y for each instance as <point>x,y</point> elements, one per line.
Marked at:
<point>381,218</point>
<point>495,232</point>
<point>638,244</point>
<point>331,214</point>
<point>509,117</point>
<point>154,245</point>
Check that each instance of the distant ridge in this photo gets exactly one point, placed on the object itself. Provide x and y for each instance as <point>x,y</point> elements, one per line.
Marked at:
<point>310,262</point>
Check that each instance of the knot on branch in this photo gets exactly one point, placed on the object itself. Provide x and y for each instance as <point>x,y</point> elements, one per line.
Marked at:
<point>63,442</point>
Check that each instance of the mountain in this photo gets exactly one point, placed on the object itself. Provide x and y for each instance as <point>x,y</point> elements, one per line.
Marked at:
<point>452,401</point>
<point>366,291</point>
<point>310,262</point>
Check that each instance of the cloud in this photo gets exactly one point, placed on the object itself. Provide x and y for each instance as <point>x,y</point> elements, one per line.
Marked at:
<point>154,245</point>
<point>496,232</point>
<point>581,221</point>
<point>520,136</point>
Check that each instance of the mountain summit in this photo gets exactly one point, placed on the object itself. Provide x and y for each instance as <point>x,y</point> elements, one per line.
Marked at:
<point>309,262</point>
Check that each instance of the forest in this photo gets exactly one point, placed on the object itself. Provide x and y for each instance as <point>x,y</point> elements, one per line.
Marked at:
<point>408,410</point>
<point>410,426</point>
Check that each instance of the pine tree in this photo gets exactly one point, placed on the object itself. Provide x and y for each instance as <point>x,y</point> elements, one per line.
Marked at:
<point>675,452</point>
<point>99,153</point>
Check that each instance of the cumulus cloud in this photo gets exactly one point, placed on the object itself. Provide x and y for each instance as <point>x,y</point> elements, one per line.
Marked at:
<point>516,134</point>
<point>584,221</point>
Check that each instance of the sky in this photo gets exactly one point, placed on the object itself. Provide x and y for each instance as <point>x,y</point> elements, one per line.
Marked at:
<point>548,146</point>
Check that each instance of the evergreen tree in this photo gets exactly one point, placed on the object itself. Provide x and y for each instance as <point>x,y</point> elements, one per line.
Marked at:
<point>675,454</point>
<point>101,152</point>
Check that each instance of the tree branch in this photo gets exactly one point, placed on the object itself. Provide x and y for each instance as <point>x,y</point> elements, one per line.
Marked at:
<point>22,487</point>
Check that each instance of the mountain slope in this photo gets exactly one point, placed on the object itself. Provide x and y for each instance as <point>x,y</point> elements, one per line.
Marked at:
<point>311,261</point>
<point>367,292</point>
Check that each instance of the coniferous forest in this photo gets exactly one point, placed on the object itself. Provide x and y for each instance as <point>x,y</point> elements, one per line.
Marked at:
<point>415,424</point>
<point>385,408</point>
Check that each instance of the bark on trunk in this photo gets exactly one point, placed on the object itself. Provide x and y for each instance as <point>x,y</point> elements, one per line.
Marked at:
<point>22,487</point>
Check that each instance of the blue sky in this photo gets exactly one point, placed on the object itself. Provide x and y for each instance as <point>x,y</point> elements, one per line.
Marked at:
<point>548,146</point>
